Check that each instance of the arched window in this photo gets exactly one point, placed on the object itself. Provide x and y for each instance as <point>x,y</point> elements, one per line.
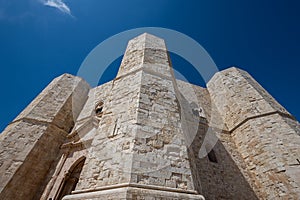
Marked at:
<point>71,179</point>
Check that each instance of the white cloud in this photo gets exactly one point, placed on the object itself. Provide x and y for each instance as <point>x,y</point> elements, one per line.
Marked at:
<point>59,4</point>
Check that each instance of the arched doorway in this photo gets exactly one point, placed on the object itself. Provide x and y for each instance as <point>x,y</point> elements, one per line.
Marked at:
<point>71,180</point>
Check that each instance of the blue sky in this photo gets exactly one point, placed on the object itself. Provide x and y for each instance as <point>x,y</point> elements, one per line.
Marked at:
<point>41,39</point>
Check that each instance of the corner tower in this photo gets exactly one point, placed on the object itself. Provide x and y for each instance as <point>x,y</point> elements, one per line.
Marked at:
<point>264,135</point>
<point>133,145</point>
<point>30,145</point>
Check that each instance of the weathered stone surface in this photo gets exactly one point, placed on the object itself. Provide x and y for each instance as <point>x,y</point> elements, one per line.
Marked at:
<point>30,144</point>
<point>59,104</point>
<point>239,97</point>
<point>270,149</point>
<point>264,135</point>
<point>148,52</point>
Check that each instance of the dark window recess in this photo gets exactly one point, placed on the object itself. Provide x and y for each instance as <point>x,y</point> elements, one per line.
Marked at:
<point>99,109</point>
<point>212,156</point>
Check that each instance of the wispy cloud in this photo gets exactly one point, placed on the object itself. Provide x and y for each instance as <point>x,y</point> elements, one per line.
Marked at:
<point>59,4</point>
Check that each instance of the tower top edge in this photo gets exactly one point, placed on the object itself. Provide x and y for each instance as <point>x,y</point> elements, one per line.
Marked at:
<point>147,38</point>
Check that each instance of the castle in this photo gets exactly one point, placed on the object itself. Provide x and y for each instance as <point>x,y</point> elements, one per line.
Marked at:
<point>146,135</point>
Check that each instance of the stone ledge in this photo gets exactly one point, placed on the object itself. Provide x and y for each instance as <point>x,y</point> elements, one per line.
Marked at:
<point>38,122</point>
<point>261,115</point>
<point>136,185</point>
<point>133,191</point>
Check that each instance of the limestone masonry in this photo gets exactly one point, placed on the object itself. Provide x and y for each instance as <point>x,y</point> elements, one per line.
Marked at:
<point>146,135</point>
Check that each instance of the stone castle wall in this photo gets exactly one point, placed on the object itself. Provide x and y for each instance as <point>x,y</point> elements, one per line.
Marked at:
<point>146,135</point>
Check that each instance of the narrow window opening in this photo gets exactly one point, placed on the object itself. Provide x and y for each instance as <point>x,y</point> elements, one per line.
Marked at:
<point>99,109</point>
<point>212,156</point>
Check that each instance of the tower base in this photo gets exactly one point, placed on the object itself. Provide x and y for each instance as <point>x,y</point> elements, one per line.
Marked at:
<point>134,192</point>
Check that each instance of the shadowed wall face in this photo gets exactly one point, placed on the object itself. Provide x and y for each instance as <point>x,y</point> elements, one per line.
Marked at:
<point>30,144</point>
<point>217,175</point>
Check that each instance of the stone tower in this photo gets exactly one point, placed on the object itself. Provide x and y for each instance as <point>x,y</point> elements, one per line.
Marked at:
<point>146,135</point>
